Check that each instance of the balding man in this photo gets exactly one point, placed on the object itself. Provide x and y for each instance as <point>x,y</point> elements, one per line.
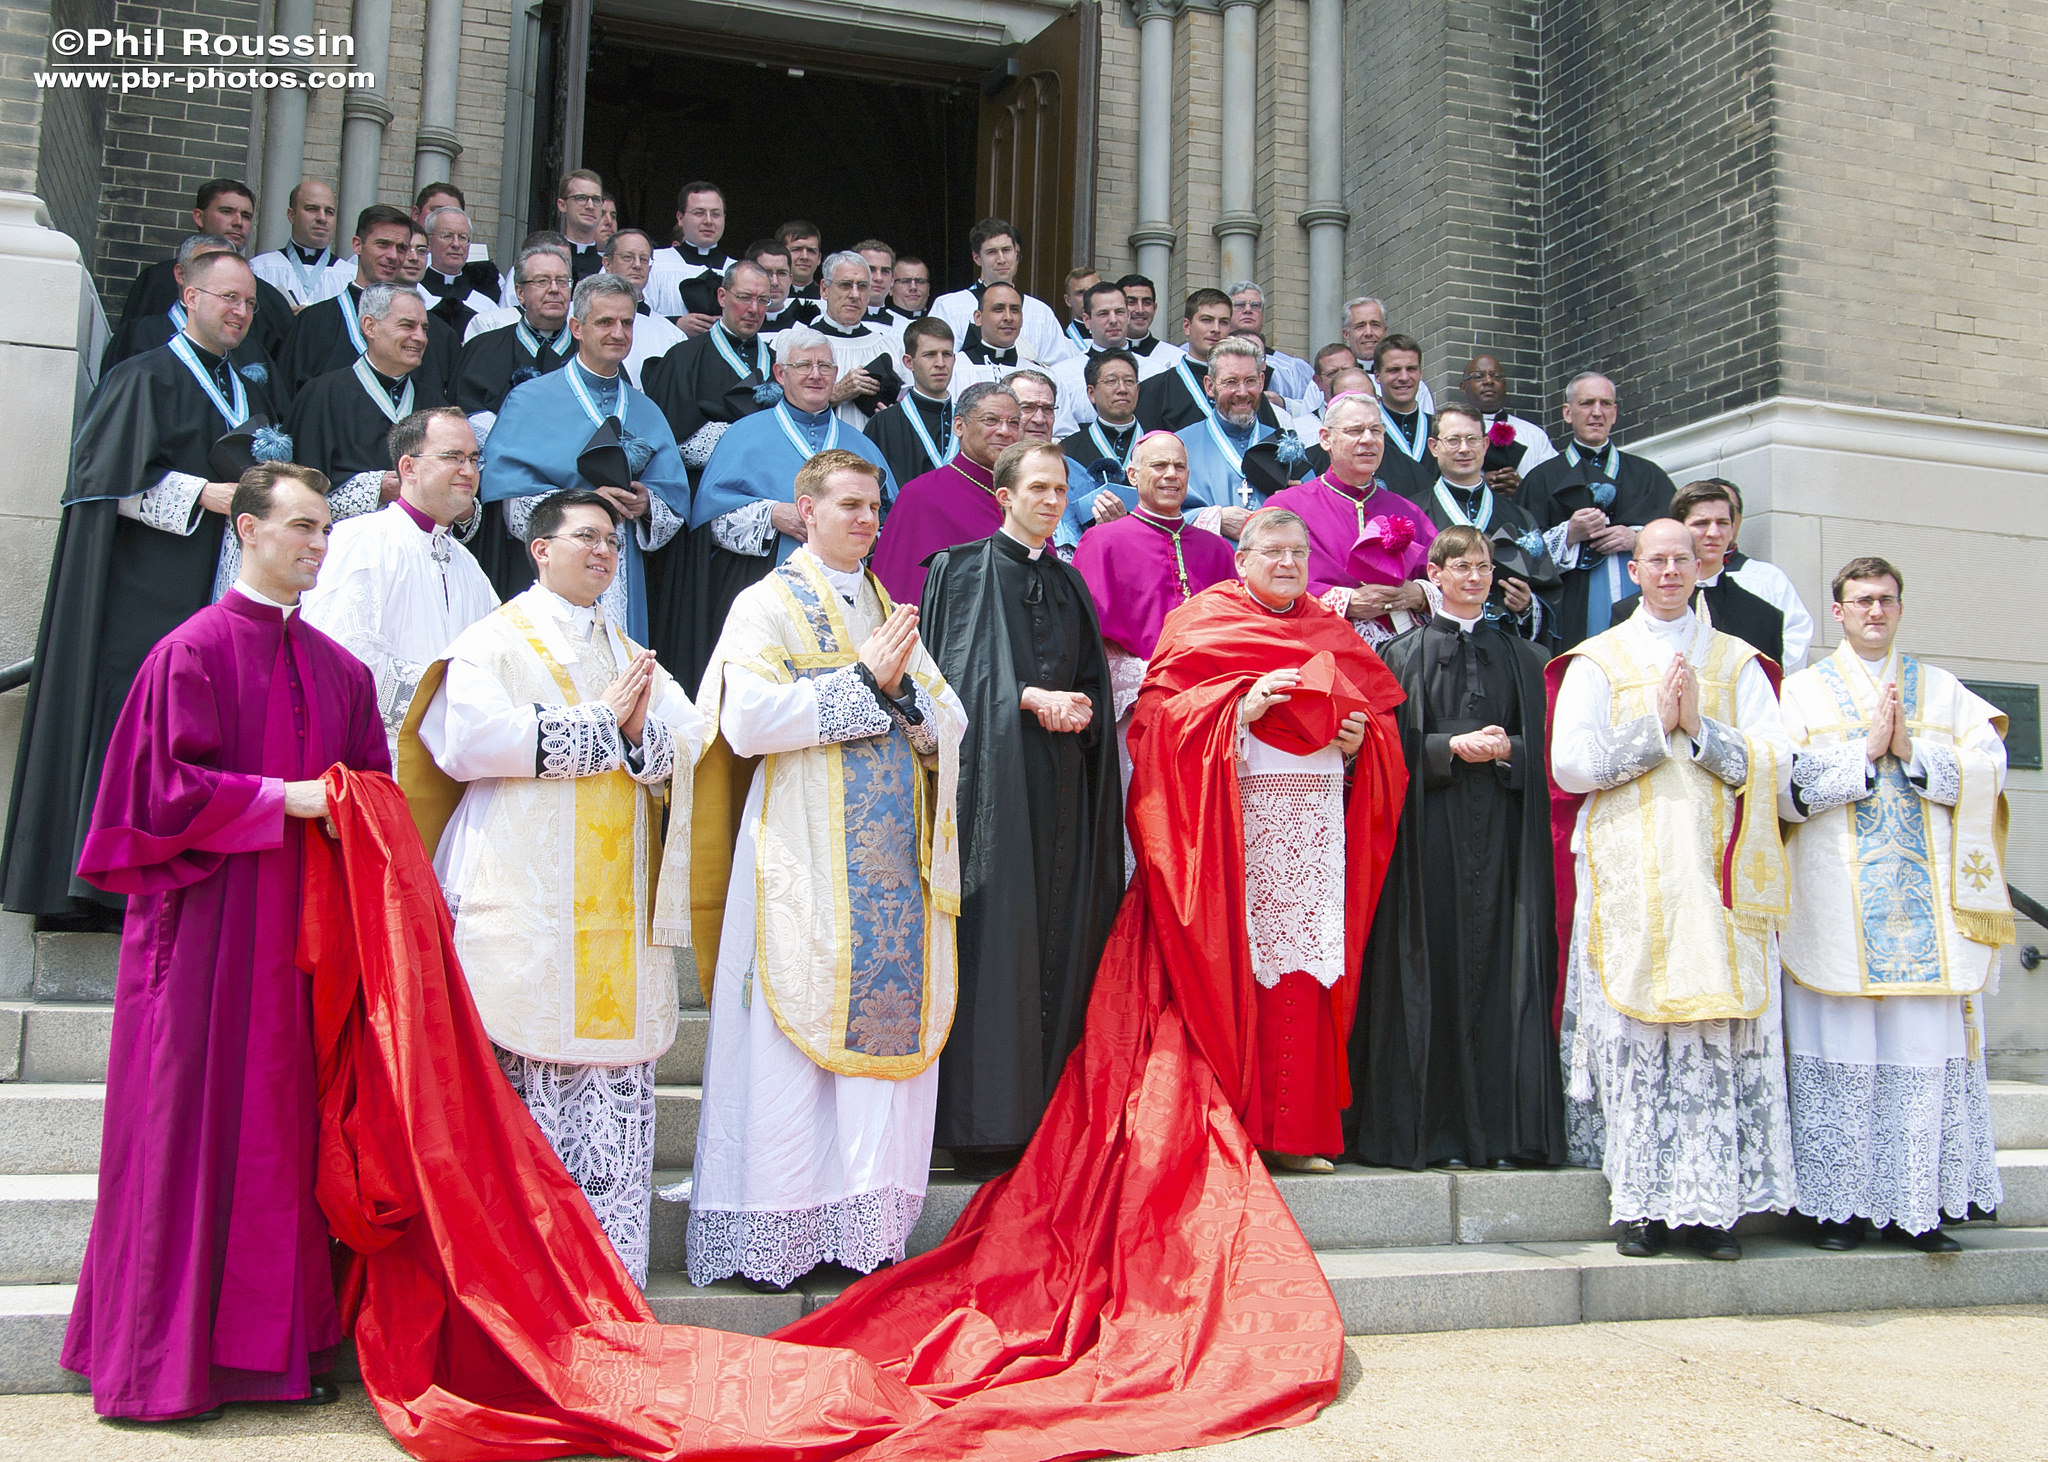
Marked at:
<point>1365,326</point>
<point>298,270</point>
<point>1291,375</point>
<point>1589,501</point>
<point>459,288</point>
<point>1664,734</point>
<point>1515,445</point>
<point>226,207</point>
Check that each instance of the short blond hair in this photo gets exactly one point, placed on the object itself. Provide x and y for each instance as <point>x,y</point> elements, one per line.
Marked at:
<point>813,475</point>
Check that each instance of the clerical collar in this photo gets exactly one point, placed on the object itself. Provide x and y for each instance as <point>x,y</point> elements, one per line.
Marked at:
<point>829,326</point>
<point>1288,608</point>
<point>207,358</point>
<point>698,253</point>
<point>1240,436</point>
<point>1141,345</point>
<point>1346,490</point>
<point>981,352</point>
<point>446,281</point>
<point>1167,525</point>
<point>847,585</point>
<point>1579,449</point>
<point>806,418</point>
<point>593,377</point>
<point>305,255</point>
<point>1033,553</point>
<point>248,593</point>
<point>1708,581</point>
<point>1465,490</point>
<point>1445,618</point>
<point>1119,436</point>
<point>1406,418</point>
<point>422,521</point>
<point>1680,628</point>
<point>579,616</point>
<point>641,309</point>
<point>393,384</point>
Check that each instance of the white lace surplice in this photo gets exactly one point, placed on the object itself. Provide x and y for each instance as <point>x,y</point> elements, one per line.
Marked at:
<point>1293,860</point>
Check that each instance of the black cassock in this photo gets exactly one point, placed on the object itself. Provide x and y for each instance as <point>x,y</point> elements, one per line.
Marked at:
<point>249,358</point>
<point>154,292</point>
<point>337,429</point>
<point>689,593</point>
<point>1557,488</point>
<point>1507,515</point>
<point>1410,478</point>
<point>486,370</point>
<point>319,342</point>
<point>117,586</point>
<point>1041,831</point>
<point>897,439</point>
<point>1452,1055</point>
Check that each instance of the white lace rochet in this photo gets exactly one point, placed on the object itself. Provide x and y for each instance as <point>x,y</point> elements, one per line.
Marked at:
<point>1294,874</point>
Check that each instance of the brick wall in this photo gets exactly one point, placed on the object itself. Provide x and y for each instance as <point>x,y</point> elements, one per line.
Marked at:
<point>24,45</point>
<point>160,146</point>
<point>1280,173</point>
<point>1116,147</point>
<point>74,135</point>
<point>1197,161</point>
<point>1659,267</point>
<point>1910,228</point>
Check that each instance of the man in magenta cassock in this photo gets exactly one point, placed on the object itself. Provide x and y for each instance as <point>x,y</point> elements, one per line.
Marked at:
<point>207,1278</point>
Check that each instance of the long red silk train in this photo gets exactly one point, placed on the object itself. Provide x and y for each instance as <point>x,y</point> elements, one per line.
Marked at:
<point>1136,1283</point>
<point>492,1319</point>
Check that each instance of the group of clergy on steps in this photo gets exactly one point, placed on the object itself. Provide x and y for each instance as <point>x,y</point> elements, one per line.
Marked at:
<point>1485,921</point>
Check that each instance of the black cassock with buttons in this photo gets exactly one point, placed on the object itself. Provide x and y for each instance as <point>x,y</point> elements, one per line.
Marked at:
<point>1452,1055</point>
<point>1041,837</point>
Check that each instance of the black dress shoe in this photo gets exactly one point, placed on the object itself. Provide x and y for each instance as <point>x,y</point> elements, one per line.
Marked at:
<point>1839,1238</point>
<point>1934,1241</point>
<point>763,1286</point>
<point>1643,1238</point>
<point>324,1393</point>
<point>1504,1165</point>
<point>1714,1243</point>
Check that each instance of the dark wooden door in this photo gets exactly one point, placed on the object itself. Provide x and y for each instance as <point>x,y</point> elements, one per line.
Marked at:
<point>1036,163</point>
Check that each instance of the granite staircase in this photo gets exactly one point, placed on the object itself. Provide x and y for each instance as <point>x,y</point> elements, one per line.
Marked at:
<point>1404,1251</point>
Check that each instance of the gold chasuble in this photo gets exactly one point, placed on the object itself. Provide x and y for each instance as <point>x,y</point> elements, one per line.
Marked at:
<point>565,895</point>
<point>857,849</point>
<point>1687,873</point>
<point>1919,884</point>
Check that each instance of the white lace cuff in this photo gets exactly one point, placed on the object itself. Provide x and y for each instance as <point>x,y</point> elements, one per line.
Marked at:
<point>1937,771</point>
<point>698,449</point>
<point>658,525</point>
<point>749,530</point>
<point>847,709</point>
<point>518,512</point>
<point>1565,555</point>
<point>577,741</point>
<point>1432,597</point>
<point>172,506</point>
<point>1722,751</point>
<point>653,761</point>
<point>1625,752</point>
<point>923,733</point>
<point>1832,776</point>
<point>1126,679</point>
<point>360,494</point>
<point>1337,601</point>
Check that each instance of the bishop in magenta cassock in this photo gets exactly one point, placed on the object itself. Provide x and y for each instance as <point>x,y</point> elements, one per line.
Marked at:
<point>953,504</point>
<point>207,1278</point>
<point>1338,506</point>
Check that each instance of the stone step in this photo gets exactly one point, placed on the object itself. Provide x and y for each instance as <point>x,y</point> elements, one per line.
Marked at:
<point>2019,1114</point>
<point>1386,1291</point>
<point>44,1221</point>
<point>76,966</point>
<point>54,1127</point>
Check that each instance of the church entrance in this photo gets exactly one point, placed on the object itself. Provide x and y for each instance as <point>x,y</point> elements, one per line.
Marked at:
<point>859,155</point>
<point>912,150</point>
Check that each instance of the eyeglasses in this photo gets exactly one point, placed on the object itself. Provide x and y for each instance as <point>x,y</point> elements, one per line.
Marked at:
<point>1359,433</point>
<point>1466,566</point>
<point>1668,561</point>
<point>1482,376</point>
<point>590,540</point>
<point>1871,603</point>
<point>1459,443</point>
<point>1282,555</point>
<point>809,367</point>
<point>545,281</point>
<point>455,459</point>
<point>584,198</point>
<point>232,301</point>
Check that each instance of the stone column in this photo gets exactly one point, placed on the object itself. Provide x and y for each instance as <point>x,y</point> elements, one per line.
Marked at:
<point>1237,227</point>
<point>1325,218</point>
<point>1153,239</point>
<point>284,135</point>
<point>437,147</point>
<point>364,116</point>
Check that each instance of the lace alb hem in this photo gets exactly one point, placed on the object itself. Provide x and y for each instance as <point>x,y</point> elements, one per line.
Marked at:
<point>1830,776</point>
<point>1723,752</point>
<point>749,530</point>
<point>1294,874</point>
<point>600,1122</point>
<point>1893,1144</point>
<point>577,741</point>
<point>1623,753</point>
<point>1690,1122</point>
<point>778,1247</point>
